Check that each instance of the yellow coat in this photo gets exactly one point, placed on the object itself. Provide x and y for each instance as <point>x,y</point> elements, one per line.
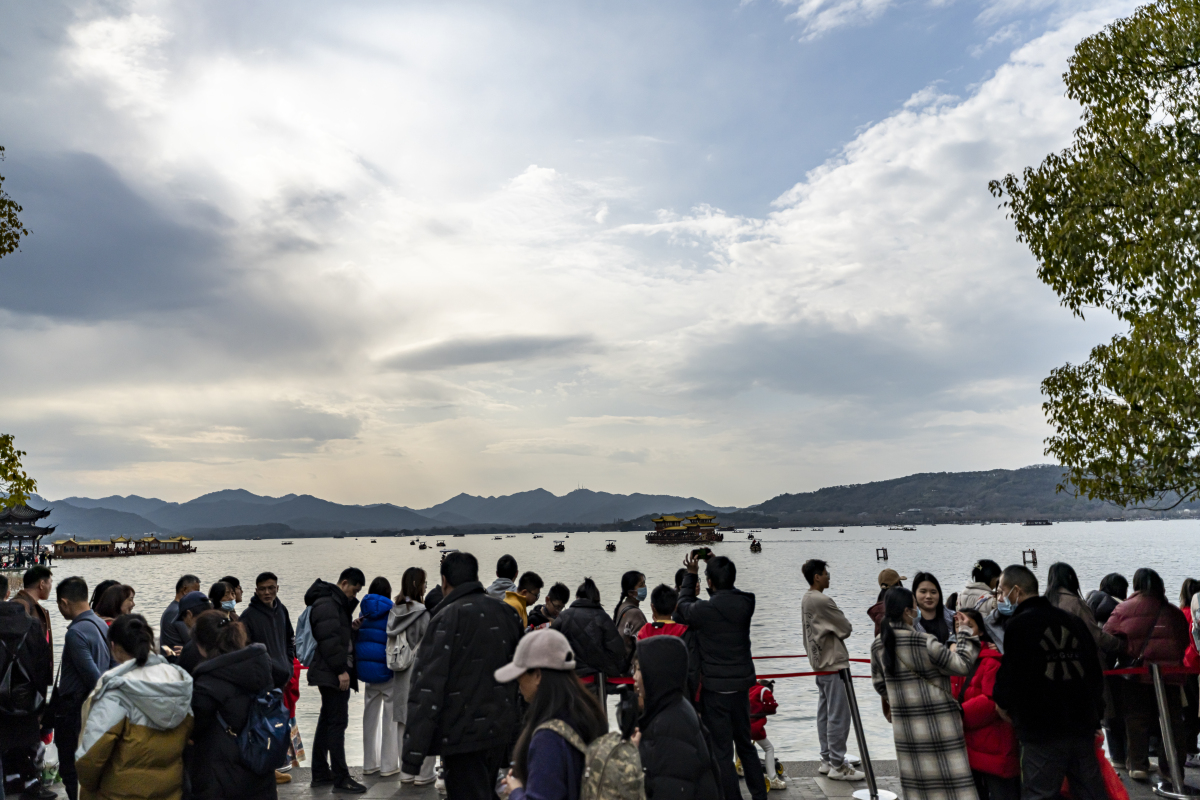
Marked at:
<point>517,601</point>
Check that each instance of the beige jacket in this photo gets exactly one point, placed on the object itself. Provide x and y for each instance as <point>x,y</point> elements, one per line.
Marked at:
<point>825,626</point>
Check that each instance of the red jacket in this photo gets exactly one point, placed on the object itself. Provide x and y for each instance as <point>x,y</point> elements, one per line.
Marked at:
<point>762,702</point>
<point>1140,617</point>
<point>991,742</point>
<point>1191,658</point>
<point>661,629</point>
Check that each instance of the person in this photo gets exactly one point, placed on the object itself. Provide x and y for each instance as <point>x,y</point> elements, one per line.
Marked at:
<point>99,591</point>
<point>236,584</point>
<point>1154,632</point>
<point>136,722</point>
<point>556,600</point>
<point>179,632</point>
<point>227,682</point>
<point>721,626</point>
<point>980,593</point>
<point>888,578</point>
<point>563,718</point>
<point>1191,659</point>
<point>662,606</point>
<point>116,600</point>
<point>1062,591</point>
<point>409,618</point>
<point>268,623</point>
<point>825,629</point>
<point>85,657</point>
<point>332,671</point>
<point>4,587</point>
<point>506,573</point>
<point>680,574</point>
<point>1114,588</point>
<point>188,655</point>
<point>221,596</point>
<point>675,747</point>
<point>934,618</point>
<point>381,743</point>
<point>628,615</point>
<point>763,705</point>
<point>25,649</point>
<point>598,648</point>
<point>529,588</point>
<point>991,741</point>
<point>911,670</point>
<point>185,585</point>
<point>1051,687</point>
<point>456,708</point>
<point>36,584</point>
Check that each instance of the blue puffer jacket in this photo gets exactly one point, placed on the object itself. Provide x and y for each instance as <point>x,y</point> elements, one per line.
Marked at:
<point>370,645</point>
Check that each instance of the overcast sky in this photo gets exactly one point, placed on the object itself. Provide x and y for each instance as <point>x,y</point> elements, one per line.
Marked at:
<point>381,251</point>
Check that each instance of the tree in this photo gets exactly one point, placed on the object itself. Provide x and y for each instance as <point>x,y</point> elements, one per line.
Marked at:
<point>1113,222</point>
<point>15,481</point>
<point>11,229</point>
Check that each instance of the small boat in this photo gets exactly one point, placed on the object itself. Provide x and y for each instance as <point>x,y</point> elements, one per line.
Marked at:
<point>537,536</point>
<point>285,542</point>
<point>373,542</point>
<point>559,546</point>
<point>610,545</point>
<point>841,530</point>
<point>566,536</point>
<point>460,534</point>
<point>422,546</point>
<point>339,537</point>
<point>498,538</point>
<point>511,536</point>
<point>749,535</point>
<point>818,529</point>
<point>756,546</point>
<point>441,543</point>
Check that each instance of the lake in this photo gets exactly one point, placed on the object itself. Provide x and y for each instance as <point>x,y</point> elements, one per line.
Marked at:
<point>948,551</point>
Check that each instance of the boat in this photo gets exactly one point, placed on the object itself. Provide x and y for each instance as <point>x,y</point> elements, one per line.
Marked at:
<point>756,546</point>
<point>285,542</point>
<point>460,534</point>
<point>537,536</point>
<point>412,541</point>
<point>447,551</point>
<point>560,546</point>
<point>498,538</point>
<point>841,530</point>
<point>122,546</point>
<point>511,536</point>
<point>695,529</point>
<point>441,543</point>
<point>818,529</point>
<point>373,542</point>
<point>339,537</point>
<point>610,545</point>
<point>422,546</point>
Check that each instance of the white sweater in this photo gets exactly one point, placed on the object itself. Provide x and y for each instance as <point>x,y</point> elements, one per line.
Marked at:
<point>825,626</point>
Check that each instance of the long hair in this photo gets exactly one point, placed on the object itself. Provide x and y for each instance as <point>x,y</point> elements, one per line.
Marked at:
<point>101,588</point>
<point>588,591</point>
<point>381,586</point>
<point>560,695</point>
<point>217,592</point>
<point>927,577</point>
<point>1062,576</point>
<point>985,571</point>
<point>109,604</point>
<point>895,603</point>
<point>1114,584</point>
<point>411,583</point>
<point>977,618</point>
<point>135,636</point>
<point>629,582</point>
<point>1150,583</point>
<point>1188,591</point>
<point>218,634</point>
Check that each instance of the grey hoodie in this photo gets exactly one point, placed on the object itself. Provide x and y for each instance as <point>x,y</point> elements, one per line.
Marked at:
<point>499,587</point>
<point>410,620</point>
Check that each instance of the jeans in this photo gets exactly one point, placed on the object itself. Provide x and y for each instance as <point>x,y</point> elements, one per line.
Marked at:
<point>472,776</point>
<point>381,735</point>
<point>66,736</point>
<point>728,719</point>
<point>1045,764</point>
<point>329,742</point>
<point>833,719</point>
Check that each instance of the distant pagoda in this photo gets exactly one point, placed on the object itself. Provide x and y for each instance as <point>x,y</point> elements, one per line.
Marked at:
<point>17,527</point>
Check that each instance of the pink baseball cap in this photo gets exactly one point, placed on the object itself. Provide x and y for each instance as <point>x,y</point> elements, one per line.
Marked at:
<point>541,649</point>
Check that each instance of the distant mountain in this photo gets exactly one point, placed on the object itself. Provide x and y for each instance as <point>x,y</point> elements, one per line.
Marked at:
<point>131,504</point>
<point>579,506</point>
<point>303,512</point>
<point>95,523</point>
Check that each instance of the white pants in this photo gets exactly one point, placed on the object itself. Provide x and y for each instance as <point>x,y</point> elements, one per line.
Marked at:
<point>769,756</point>
<point>381,735</point>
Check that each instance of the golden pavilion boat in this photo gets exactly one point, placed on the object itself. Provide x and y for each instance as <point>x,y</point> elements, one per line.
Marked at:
<point>670,529</point>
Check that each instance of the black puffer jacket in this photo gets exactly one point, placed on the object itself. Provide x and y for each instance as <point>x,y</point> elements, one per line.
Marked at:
<point>331,618</point>
<point>722,627</point>
<point>676,756</point>
<point>454,703</point>
<point>34,658</point>
<point>227,685</point>
<point>1102,605</point>
<point>594,638</point>
<point>272,626</point>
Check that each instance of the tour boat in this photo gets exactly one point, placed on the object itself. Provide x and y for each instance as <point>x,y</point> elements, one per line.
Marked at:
<point>610,545</point>
<point>560,546</point>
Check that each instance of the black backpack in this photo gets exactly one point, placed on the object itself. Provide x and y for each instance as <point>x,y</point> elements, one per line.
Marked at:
<point>19,696</point>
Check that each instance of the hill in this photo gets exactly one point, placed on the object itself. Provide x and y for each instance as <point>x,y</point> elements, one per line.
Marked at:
<point>581,506</point>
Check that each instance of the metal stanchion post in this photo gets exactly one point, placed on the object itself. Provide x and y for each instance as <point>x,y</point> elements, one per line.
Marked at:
<point>602,690</point>
<point>1178,789</point>
<point>872,792</point>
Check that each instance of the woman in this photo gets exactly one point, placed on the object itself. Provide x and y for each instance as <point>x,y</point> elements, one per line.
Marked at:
<point>910,671</point>
<point>116,600</point>
<point>136,721</point>
<point>227,682</point>
<point>597,645</point>
<point>562,720</point>
<point>934,618</point>
<point>1062,590</point>
<point>628,615</point>
<point>1191,660</point>
<point>980,593</point>
<point>98,592</point>
<point>222,597</point>
<point>408,618</point>
<point>1114,588</point>
<point>381,746</point>
<point>991,741</point>
<point>1154,632</point>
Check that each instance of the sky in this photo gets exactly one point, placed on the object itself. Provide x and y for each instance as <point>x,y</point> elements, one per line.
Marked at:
<point>390,252</point>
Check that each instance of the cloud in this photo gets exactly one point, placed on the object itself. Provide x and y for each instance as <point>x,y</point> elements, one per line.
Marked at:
<point>487,350</point>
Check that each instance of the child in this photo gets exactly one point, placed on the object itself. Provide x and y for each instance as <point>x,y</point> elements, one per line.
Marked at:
<point>662,605</point>
<point>762,705</point>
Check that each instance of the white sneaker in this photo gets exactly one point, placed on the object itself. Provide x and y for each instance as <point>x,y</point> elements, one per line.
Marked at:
<point>845,773</point>
<point>440,785</point>
<point>1193,761</point>
<point>777,783</point>
<point>824,768</point>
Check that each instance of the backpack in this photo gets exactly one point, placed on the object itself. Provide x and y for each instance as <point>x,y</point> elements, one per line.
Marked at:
<point>264,739</point>
<point>612,767</point>
<point>19,697</point>
<point>306,644</point>
<point>400,655</point>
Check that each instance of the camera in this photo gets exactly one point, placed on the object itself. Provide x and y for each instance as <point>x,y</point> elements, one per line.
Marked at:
<point>627,711</point>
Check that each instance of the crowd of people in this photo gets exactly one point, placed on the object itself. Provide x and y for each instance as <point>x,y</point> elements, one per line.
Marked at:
<point>994,692</point>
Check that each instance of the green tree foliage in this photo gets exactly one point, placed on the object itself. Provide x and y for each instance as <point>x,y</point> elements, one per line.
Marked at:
<point>1112,221</point>
<point>11,229</point>
<point>15,482</point>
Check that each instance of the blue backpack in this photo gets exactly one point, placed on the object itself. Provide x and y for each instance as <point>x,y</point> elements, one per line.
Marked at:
<point>306,645</point>
<point>264,739</point>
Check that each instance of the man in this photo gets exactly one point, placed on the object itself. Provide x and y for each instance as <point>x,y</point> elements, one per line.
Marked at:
<point>506,573</point>
<point>22,633</point>
<point>529,589</point>
<point>825,630</point>
<point>3,587</point>
<point>888,579</point>
<point>556,600</point>
<point>178,635</point>
<point>267,622</point>
<point>332,672</point>
<point>455,706</point>
<point>721,627</point>
<point>24,759</point>
<point>37,582</point>
<point>1051,686</point>
<point>85,656</point>
<point>185,585</point>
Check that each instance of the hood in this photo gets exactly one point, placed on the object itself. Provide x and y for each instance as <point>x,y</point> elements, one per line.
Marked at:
<point>520,598</point>
<point>161,692</point>
<point>320,589</point>
<point>403,616</point>
<point>259,605</point>
<point>375,606</point>
<point>500,586</point>
<point>249,669</point>
<point>663,661</point>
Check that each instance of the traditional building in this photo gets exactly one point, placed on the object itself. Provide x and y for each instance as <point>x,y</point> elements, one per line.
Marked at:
<point>669,529</point>
<point>19,535</point>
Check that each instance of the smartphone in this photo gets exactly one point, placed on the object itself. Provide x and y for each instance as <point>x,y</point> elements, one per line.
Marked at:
<point>703,553</point>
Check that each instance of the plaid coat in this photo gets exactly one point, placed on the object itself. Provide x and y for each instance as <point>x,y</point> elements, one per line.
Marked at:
<point>926,720</point>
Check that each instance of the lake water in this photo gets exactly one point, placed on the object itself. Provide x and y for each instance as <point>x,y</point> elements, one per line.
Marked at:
<point>948,551</point>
